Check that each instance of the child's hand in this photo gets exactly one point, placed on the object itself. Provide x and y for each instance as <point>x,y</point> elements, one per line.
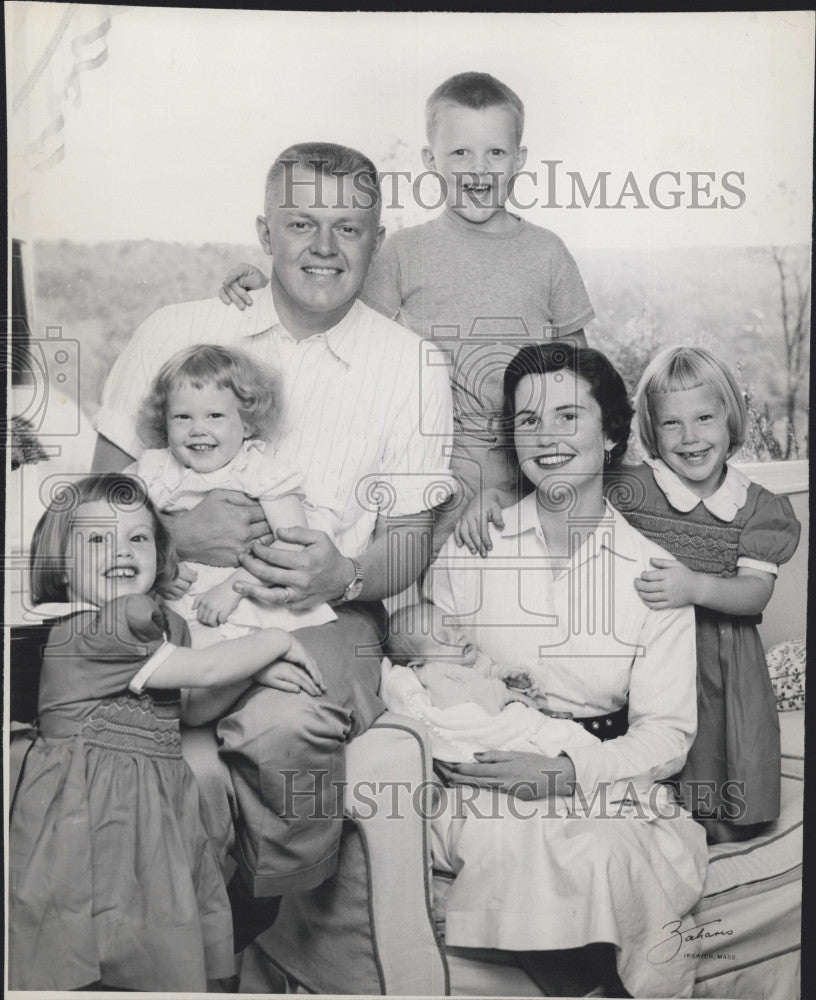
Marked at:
<point>669,585</point>
<point>175,589</point>
<point>239,278</point>
<point>294,672</point>
<point>471,529</point>
<point>215,607</point>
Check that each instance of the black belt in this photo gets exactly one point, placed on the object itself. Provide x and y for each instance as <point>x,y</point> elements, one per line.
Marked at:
<point>607,727</point>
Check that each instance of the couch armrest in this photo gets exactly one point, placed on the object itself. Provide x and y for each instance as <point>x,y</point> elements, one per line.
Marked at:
<point>369,929</point>
<point>396,754</point>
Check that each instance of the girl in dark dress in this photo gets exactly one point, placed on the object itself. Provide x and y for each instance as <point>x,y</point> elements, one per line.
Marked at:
<point>112,875</point>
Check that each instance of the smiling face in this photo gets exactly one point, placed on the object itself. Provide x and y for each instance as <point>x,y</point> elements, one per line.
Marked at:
<point>321,237</point>
<point>558,432</point>
<point>110,554</point>
<point>692,434</point>
<point>204,426</point>
<point>476,152</point>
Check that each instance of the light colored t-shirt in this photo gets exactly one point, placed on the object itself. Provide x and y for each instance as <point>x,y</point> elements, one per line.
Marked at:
<point>366,406</point>
<point>481,297</point>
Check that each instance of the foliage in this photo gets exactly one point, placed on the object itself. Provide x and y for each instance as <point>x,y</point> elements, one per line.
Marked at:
<point>727,299</point>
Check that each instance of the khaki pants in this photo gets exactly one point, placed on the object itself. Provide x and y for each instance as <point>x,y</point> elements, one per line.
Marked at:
<point>285,759</point>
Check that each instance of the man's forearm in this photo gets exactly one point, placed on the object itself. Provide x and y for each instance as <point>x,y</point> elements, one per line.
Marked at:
<point>399,551</point>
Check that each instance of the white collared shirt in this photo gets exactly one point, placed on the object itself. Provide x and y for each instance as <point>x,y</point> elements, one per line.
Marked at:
<point>586,636</point>
<point>366,413</point>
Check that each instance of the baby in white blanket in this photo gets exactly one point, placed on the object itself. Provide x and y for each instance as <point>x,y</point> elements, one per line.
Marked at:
<point>468,702</point>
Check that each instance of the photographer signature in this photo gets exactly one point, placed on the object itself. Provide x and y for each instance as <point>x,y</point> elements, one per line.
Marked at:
<point>665,950</point>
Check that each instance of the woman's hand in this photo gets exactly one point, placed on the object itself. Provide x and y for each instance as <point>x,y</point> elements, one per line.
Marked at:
<point>472,527</point>
<point>294,672</point>
<point>525,775</point>
<point>185,578</point>
<point>241,277</point>
<point>215,607</point>
<point>669,585</point>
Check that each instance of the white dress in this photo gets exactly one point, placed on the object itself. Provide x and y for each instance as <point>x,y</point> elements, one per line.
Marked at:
<point>624,861</point>
<point>255,472</point>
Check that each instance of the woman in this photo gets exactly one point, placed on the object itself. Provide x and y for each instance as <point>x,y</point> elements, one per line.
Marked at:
<point>586,847</point>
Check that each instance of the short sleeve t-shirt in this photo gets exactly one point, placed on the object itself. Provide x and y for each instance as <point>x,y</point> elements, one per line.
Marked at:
<point>481,297</point>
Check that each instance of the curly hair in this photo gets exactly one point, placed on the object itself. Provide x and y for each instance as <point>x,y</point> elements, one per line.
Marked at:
<point>605,385</point>
<point>256,387</point>
<point>49,559</point>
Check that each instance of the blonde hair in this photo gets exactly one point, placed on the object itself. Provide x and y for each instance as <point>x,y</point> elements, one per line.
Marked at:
<point>677,369</point>
<point>256,387</point>
<point>476,91</point>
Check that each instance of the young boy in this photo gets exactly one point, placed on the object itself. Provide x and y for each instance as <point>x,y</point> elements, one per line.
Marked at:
<point>478,280</point>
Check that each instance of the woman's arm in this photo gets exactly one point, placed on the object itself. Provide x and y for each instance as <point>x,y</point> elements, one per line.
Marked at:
<point>673,585</point>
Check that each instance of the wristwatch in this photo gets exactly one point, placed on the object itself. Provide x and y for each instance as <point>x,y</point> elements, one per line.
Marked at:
<point>352,591</point>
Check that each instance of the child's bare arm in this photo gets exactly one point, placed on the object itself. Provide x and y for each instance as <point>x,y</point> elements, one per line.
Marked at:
<point>236,281</point>
<point>285,512</point>
<point>471,529</point>
<point>672,585</point>
<point>223,663</point>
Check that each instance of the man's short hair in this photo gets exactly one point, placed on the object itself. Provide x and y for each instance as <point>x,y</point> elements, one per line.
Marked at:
<point>331,159</point>
<point>476,91</point>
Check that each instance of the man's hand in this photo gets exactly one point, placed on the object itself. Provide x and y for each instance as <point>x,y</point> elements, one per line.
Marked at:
<point>301,578</point>
<point>215,607</point>
<point>669,585</point>
<point>241,277</point>
<point>224,524</point>
<point>526,775</point>
<point>175,589</point>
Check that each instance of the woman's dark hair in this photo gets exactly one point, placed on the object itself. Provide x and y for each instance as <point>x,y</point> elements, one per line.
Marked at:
<point>605,385</point>
<point>49,555</point>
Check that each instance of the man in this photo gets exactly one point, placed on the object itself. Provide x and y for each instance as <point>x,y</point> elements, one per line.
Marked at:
<point>368,421</point>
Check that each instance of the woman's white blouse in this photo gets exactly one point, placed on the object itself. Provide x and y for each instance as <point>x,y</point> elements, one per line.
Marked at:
<point>580,627</point>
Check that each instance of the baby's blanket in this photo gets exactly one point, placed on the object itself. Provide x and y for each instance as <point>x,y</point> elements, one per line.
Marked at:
<point>459,731</point>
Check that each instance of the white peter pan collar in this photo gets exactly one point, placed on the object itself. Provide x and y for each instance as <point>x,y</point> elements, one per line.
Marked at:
<point>175,474</point>
<point>723,504</point>
<point>56,609</point>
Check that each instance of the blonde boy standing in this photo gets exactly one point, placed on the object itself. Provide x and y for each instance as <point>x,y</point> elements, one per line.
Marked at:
<point>478,280</point>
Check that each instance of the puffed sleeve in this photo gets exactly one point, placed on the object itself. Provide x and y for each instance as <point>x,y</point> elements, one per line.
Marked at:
<point>151,469</point>
<point>266,477</point>
<point>770,536</point>
<point>102,651</point>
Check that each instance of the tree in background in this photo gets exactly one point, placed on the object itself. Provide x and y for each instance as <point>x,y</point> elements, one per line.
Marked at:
<point>793,266</point>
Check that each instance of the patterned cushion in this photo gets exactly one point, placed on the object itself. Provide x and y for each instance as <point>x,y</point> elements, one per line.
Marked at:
<point>786,664</point>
